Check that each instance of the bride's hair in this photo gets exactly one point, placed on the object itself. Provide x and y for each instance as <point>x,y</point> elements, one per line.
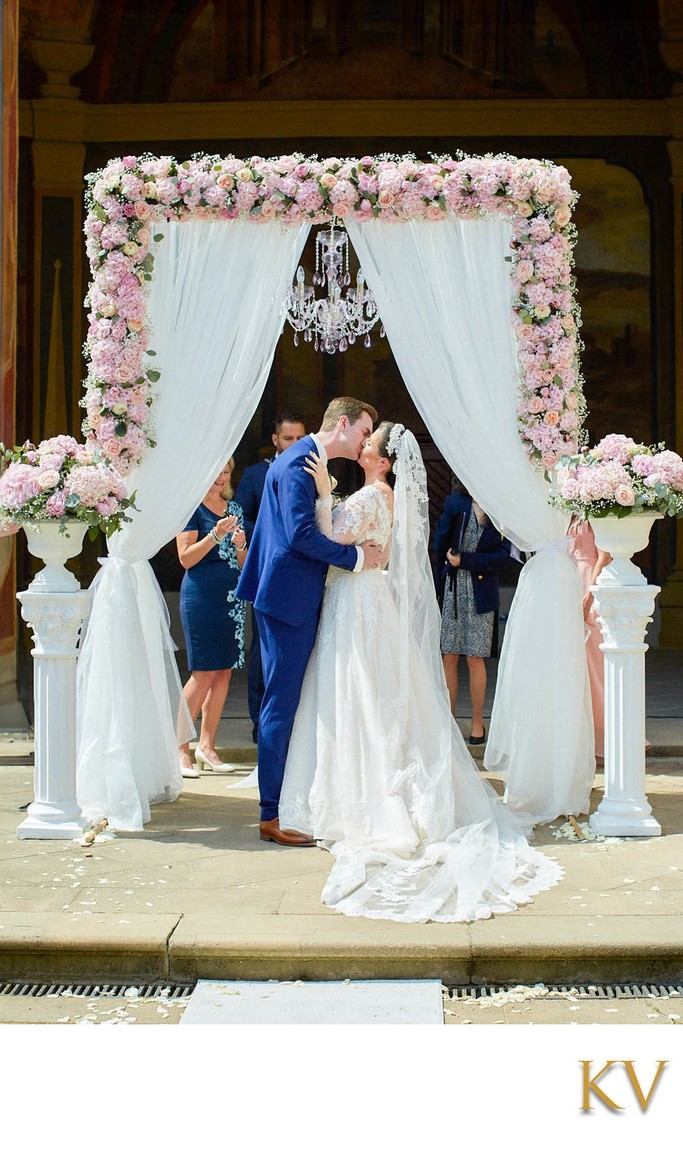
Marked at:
<point>386,428</point>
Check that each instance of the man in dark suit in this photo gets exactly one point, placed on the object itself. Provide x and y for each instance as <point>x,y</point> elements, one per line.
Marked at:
<point>284,577</point>
<point>289,429</point>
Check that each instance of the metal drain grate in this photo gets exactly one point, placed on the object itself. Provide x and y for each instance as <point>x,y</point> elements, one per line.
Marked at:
<point>640,990</point>
<point>101,990</point>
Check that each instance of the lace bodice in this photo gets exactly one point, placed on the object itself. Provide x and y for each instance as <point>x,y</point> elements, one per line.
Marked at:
<point>364,516</point>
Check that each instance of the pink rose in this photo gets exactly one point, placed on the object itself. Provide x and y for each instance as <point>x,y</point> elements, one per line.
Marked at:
<point>111,447</point>
<point>48,479</point>
<point>142,210</point>
<point>624,495</point>
<point>385,199</point>
<point>562,216</point>
<point>551,418</point>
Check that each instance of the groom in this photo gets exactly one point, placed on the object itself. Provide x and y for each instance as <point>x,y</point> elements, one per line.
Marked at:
<point>284,577</point>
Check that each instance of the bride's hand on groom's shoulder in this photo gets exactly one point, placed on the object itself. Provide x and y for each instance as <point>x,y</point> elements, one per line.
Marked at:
<point>314,466</point>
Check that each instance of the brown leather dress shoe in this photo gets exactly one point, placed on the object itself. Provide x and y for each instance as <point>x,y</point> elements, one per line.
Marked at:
<point>270,832</point>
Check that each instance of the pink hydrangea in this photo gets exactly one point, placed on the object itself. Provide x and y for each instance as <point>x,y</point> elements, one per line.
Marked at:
<point>617,447</point>
<point>18,485</point>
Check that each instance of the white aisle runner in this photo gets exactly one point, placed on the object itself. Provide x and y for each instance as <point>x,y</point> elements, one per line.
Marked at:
<point>371,1001</point>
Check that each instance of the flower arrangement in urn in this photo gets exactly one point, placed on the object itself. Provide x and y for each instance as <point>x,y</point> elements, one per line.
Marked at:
<point>62,481</point>
<point>620,477</point>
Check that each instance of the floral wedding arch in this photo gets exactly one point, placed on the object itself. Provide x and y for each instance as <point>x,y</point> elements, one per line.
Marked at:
<point>127,198</point>
<point>470,261</point>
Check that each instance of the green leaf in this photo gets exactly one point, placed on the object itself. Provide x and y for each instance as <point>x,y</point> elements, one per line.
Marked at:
<point>153,376</point>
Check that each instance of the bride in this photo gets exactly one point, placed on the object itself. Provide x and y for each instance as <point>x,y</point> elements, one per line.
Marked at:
<point>377,769</point>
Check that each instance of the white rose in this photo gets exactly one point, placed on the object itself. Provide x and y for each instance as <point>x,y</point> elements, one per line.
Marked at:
<point>48,479</point>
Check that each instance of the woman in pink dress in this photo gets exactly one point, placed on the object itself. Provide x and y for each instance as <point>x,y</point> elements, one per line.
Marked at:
<point>590,562</point>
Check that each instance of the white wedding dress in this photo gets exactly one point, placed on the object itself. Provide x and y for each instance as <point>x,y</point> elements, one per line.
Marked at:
<point>377,769</point>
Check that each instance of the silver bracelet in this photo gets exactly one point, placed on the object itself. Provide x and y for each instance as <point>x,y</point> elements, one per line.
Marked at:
<point>243,547</point>
<point>213,534</point>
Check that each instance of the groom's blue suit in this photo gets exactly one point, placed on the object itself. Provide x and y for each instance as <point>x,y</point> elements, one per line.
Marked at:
<point>284,577</point>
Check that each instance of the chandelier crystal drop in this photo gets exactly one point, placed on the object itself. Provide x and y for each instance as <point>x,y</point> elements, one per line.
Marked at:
<point>333,322</point>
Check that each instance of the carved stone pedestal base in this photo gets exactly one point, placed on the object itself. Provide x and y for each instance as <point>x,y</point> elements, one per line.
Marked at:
<point>624,612</point>
<point>55,620</point>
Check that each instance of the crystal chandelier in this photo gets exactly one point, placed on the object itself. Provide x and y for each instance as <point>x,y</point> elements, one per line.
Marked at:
<point>335,321</point>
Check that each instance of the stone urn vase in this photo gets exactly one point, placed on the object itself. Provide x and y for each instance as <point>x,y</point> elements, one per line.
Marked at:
<point>54,544</point>
<point>622,538</point>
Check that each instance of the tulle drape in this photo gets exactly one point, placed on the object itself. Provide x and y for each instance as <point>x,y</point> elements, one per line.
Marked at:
<point>444,294</point>
<point>215,313</point>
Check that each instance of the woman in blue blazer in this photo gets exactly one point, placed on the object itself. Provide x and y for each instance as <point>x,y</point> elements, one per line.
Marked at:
<point>468,555</point>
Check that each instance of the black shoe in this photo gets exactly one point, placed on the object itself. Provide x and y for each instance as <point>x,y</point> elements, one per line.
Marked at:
<point>477,740</point>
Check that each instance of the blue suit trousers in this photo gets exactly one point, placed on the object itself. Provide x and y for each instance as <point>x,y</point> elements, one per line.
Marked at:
<point>254,676</point>
<point>285,651</point>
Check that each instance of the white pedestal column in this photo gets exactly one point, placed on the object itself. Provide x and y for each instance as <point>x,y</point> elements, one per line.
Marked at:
<point>55,620</point>
<point>624,612</point>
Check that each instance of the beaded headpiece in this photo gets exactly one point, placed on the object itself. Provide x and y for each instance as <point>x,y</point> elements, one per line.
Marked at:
<point>394,436</point>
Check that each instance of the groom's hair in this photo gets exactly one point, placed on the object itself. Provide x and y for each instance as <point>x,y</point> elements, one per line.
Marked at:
<point>345,405</point>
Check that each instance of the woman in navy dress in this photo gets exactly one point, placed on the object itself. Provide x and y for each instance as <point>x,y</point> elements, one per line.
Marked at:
<point>212,549</point>
<point>469,553</point>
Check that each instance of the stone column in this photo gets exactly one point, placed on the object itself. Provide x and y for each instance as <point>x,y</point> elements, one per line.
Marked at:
<point>55,620</point>
<point>58,151</point>
<point>623,614</point>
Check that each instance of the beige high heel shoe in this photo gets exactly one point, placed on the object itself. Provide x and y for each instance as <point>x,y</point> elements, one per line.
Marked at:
<point>187,767</point>
<point>207,764</point>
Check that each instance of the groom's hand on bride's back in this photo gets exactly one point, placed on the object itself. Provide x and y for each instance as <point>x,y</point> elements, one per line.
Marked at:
<point>371,555</point>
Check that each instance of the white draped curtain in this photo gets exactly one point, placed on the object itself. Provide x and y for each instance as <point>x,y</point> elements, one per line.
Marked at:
<point>215,312</point>
<point>215,308</point>
<point>444,293</point>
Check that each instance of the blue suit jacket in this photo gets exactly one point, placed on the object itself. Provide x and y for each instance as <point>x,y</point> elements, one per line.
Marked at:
<point>284,572</point>
<point>250,492</point>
